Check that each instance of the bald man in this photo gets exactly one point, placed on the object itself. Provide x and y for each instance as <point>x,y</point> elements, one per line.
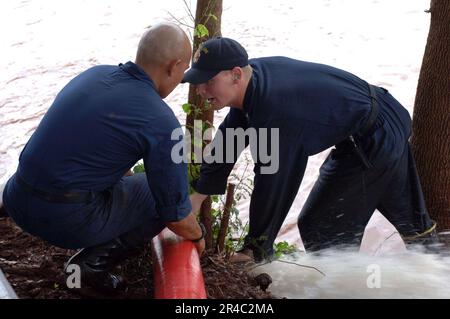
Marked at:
<point>70,188</point>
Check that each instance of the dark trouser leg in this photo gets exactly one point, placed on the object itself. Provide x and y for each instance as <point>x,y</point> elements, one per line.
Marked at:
<point>342,201</point>
<point>404,204</point>
<point>345,196</point>
<point>125,223</point>
<point>96,262</point>
<point>3,212</point>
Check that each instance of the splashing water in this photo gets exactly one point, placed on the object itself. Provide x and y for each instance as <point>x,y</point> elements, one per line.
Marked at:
<point>345,273</point>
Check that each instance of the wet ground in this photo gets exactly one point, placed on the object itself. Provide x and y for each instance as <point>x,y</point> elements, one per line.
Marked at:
<point>35,271</point>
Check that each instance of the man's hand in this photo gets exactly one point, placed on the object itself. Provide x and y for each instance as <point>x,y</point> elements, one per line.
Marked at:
<point>200,246</point>
<point>189,229</point>
<point>196,202</point>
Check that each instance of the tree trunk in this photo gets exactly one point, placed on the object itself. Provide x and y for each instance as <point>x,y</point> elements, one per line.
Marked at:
<point>225,219</point>
<point>431,120</point>
<point>205,8</point>
<point>206,219</point>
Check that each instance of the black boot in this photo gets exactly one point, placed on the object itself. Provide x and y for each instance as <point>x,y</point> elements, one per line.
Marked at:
<point>96,263</point>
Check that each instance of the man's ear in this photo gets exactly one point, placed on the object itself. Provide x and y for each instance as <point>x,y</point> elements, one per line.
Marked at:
<point>237,73</point>
<point>172,66</point>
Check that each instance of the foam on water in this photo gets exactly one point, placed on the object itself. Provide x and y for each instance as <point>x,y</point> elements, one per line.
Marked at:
<point>351,274</point>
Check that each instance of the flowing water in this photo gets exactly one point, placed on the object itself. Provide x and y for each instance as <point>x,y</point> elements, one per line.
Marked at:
<point>348,274</point>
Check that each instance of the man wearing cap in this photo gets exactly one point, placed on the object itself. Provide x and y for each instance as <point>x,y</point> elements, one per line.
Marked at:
<point>314,107</point>
<point>69,187</point>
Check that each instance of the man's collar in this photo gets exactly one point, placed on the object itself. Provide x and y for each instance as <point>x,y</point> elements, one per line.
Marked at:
<point>137,72</point>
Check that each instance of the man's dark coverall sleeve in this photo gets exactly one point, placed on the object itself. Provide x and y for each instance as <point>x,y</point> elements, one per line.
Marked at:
<point>167,179</point>
<point>273,194</point>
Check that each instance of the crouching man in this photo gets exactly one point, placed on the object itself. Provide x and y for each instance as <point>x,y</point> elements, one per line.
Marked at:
<point>70,188</point>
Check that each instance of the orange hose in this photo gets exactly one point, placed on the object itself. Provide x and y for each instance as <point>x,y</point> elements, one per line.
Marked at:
<point>176,268</point>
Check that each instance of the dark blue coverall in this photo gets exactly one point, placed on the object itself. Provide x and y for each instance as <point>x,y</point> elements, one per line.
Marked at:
<point>316,107</point>
<point>99,126</point>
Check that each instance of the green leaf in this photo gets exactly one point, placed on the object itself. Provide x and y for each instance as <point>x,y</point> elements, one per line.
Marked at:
<point>139,168</point>
<point>215,213</point>
<point>205,126</point>
<point>201,31</point>
<point>186,108</point>
<point>283,247</point>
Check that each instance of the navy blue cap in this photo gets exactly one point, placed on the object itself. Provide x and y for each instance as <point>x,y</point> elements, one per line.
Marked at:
<point>213,56</point>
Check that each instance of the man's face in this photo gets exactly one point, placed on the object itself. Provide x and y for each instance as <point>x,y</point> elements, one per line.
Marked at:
<point>176,73</point>
<point>171,82</point>
<point>219,91</point>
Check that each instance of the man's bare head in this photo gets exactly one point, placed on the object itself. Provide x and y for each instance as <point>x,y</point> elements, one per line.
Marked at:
<point>164,52</point>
